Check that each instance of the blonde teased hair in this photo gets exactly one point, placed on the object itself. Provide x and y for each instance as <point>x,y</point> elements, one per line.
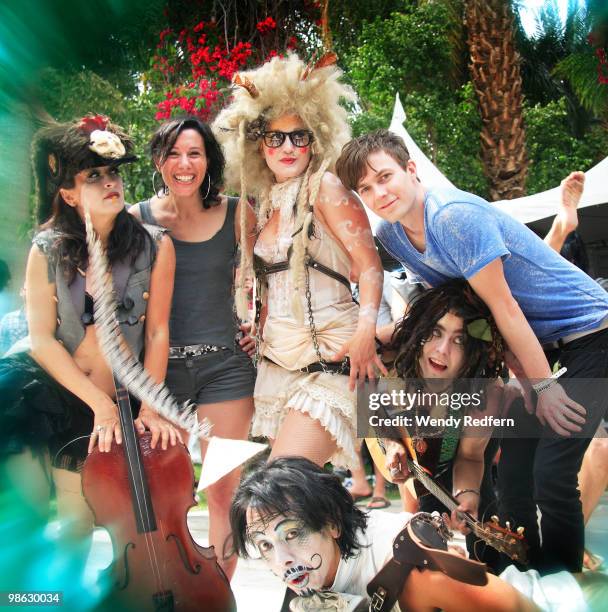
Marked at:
<point>283,86</point>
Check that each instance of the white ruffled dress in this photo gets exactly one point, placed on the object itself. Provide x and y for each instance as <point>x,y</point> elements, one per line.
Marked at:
<point>288,342</point>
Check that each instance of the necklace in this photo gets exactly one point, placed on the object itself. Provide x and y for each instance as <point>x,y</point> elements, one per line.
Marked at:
<point>418,441</point>
<point>419,438</point>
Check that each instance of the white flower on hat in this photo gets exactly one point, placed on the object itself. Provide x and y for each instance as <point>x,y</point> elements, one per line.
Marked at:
<point>106,144</point>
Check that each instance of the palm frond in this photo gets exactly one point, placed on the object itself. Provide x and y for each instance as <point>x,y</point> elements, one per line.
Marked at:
<point>580,69</point>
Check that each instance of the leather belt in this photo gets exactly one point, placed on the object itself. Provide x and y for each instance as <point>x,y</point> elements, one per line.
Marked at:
<point>560,342</point>
<point>333,367</point>
<point>193,350</point>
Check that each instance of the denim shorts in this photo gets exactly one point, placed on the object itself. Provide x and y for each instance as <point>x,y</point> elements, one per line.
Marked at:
<point>222,376</point>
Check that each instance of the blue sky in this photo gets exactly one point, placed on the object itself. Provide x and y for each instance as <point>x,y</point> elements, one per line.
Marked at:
<point>529,8</point>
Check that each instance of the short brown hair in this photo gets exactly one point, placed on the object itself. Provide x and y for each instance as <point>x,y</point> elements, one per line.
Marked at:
<point>350,166</point>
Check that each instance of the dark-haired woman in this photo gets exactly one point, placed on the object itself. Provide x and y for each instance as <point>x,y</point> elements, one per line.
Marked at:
<point>61,397</point>
<point>447,345</point>
<point>207,364</point>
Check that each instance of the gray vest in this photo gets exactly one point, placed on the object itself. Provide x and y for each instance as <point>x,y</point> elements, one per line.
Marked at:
<point>131,288</point>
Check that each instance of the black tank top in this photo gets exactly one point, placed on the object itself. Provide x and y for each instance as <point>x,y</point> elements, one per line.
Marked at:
<point>202,311</point>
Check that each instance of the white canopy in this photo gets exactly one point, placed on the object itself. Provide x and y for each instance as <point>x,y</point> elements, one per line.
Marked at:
<point>429,174</point>
<point>544,204</point>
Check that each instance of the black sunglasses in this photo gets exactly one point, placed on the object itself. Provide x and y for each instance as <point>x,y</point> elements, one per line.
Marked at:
<point>299,138</point>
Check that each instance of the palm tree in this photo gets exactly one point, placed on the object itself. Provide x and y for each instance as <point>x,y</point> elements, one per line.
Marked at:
<point>495,71</point>
<point>558,61</point>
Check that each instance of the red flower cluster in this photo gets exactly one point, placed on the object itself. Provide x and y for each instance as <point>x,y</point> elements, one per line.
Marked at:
<point>199,100</point>
<point>194,68</point>
<point>596,39</point>
<point>164,34</point>
<point>266,26</point>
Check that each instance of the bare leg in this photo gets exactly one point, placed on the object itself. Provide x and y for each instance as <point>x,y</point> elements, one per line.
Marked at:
<point>28,477</point>
<point>77,521</point>
<point>592,482</point>
<point>593,477</point>
<point>379,484</point>
<point>230,420</point>
<point>302,436</point>
<point>360,487</point>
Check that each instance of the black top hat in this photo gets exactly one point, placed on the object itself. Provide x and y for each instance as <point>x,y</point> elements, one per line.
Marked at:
<point>61,150</point>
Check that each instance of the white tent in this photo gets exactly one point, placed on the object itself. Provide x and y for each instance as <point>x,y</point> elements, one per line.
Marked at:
<point>544,204</point>
<point>537,210</point>
<point>429,174</point>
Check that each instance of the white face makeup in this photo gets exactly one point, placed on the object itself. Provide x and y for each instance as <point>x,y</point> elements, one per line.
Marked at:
<point>287,160</point>
<point>443,353</point>
<point>185,167</point>
<point>304,559</point>
<point>100,189</point>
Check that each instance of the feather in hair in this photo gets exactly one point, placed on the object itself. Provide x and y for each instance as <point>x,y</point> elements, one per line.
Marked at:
<point>128,370</point>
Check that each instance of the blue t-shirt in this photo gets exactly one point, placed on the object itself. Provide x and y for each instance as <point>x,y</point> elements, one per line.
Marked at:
<point>464,233</point>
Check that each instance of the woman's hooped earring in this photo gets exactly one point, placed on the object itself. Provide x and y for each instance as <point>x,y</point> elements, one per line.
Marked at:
<point>164,188</point>
<point>208,187</point>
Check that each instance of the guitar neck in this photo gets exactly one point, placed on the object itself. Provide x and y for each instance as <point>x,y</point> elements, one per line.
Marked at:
<point>433,488</point>
<point>443,496</point>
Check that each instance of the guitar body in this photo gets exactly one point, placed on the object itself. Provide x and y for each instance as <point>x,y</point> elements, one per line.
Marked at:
<point>428,460</point>
<point>162,568</point>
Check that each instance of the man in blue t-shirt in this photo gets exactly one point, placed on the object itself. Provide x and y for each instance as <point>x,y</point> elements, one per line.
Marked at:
<point>540,302</point>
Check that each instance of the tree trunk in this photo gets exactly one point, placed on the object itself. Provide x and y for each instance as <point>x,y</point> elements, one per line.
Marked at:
<point>495,70</point>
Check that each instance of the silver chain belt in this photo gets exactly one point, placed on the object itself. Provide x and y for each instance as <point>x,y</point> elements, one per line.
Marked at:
<point>193,350</point>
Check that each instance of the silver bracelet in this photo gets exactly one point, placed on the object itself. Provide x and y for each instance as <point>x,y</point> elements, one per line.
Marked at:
<point>541,386</point>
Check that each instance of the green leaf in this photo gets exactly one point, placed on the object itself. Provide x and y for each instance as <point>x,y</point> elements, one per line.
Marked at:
<point>480,329</point>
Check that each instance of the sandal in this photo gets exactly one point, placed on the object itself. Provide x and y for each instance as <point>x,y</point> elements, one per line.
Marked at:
<point>358,498</point>
<point>378,503</point>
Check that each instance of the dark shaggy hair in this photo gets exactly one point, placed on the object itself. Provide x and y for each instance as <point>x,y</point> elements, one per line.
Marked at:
<point>126,241</point>
<point>482,359</point>
<point>297,487</point>
<point>575,251</point>
<point>163,140</point>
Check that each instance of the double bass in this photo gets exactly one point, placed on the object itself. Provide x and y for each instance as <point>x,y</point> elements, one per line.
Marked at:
<point>141,496</point>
